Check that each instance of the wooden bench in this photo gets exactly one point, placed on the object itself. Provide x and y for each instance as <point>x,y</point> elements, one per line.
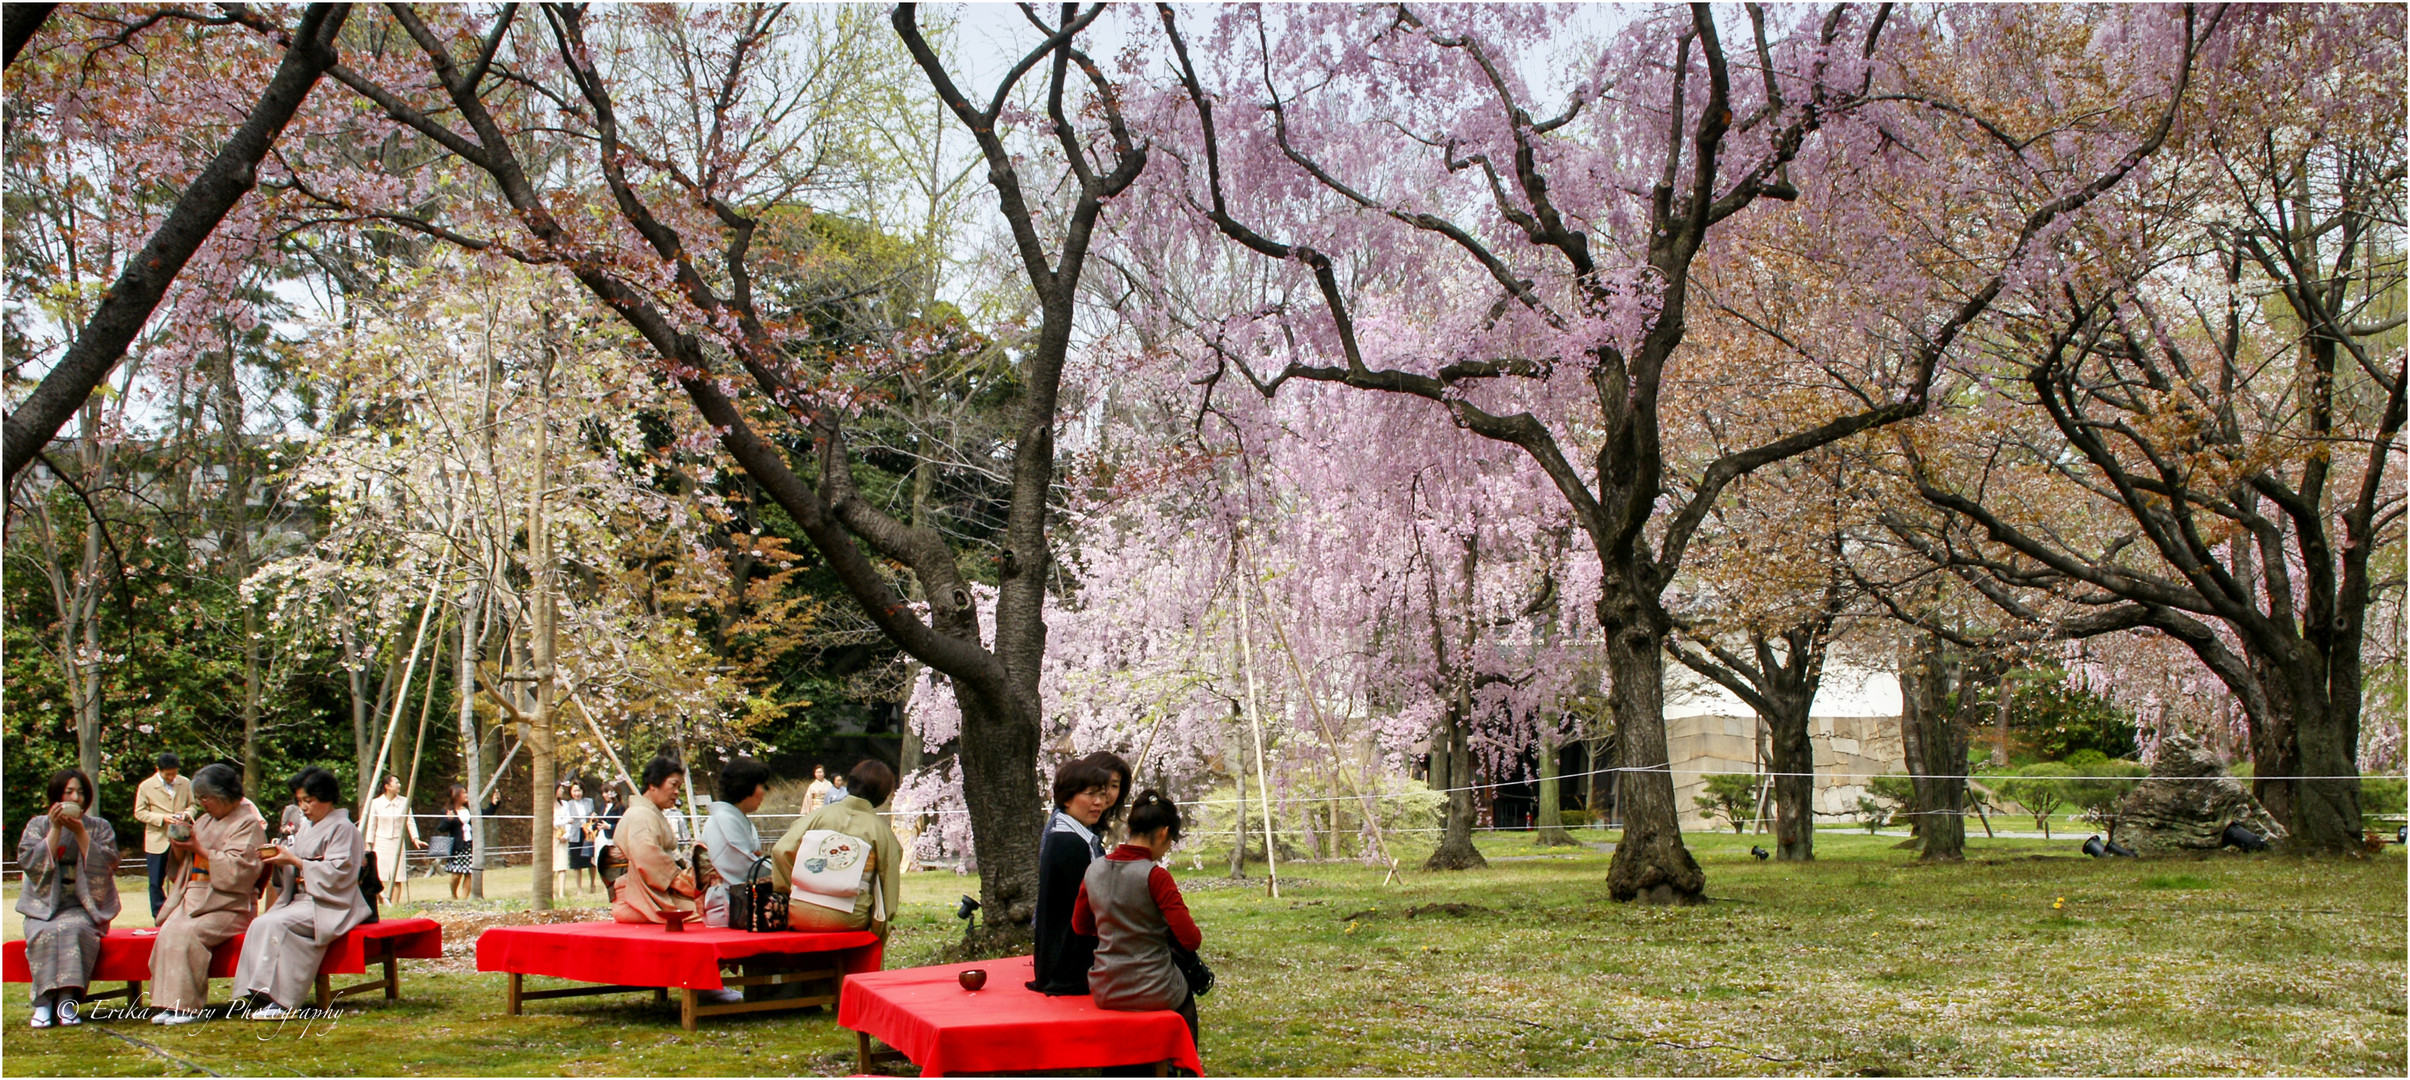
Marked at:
<point>125,957</point>
<point>625,958</point>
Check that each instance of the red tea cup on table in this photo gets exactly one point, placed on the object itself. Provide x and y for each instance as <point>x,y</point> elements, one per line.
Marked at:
<point>675,921</point>
<point>973,979</point>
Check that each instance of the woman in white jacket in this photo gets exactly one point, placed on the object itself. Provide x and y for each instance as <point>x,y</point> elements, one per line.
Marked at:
<point>388,825</point>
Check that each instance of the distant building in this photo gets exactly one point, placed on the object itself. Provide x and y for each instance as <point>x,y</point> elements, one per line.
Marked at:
<point>1854,725</point>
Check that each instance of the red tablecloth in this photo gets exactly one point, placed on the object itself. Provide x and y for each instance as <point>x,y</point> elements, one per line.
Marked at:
<point>642,954</point>
<point>1006,1026</point>
<point>125,955</point>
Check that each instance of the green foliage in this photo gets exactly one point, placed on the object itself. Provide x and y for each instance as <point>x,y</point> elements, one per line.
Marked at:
<point>2039,789</point>
<point>1731,796</point>
<point>2384,796</point>
<point>2054,720</point>
<point>1872,814</point>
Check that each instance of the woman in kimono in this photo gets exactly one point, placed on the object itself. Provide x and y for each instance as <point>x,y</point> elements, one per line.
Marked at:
<point>69,859</point>
<point>316,900</point>
<point>388,825</point>
<point>659,879</point>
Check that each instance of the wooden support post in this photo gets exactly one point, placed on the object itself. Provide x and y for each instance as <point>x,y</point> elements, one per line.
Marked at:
<point>689,997</point>
<point>326,992</point>
<point>512,1001</point>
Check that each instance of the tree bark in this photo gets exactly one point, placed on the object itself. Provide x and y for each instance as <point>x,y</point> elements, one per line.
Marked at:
<point>102,340</point>
<point>1936,747</point>
<point>1549,822</point>
<point>1456,850</point>
<point>22,22</point>
<point>1792,758</point>
<point>1650,863</point>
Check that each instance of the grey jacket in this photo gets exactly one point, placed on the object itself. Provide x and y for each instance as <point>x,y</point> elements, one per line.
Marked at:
<point>95,879</point>
<point>332,852</point>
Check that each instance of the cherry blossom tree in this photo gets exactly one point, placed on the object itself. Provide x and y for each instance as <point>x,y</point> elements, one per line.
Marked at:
<point>1441,235</point>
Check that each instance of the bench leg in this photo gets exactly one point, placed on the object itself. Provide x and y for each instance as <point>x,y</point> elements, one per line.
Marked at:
<point>1163,1068</point>
<point>393,978</point>
<point>133,994</point>
<point>511,1003</point>
<point>689,997</point>
<point>661,995</point>
<point>326,992</point>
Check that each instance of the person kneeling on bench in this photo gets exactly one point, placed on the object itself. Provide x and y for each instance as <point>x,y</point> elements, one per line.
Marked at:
<point>316,900</point>
<point>843,887</point>
<point>1136,913</point>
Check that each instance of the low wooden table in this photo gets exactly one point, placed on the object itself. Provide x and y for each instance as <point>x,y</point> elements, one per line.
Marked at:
<point>623,958</point>
<point>926,1015</point>
<point>125,956</point>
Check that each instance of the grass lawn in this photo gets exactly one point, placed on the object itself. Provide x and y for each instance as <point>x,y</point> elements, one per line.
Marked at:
<point>1860,963</point>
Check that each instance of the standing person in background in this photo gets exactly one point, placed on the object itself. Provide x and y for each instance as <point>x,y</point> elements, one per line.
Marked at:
<point>608,862</point>
<point>456,827</point>
<point>581,841</point>
<point>837,792</point>
<point>316,900</point>
<point>217,865</point>
<point>1136,912</point>
<point>162,796</point>
<point>856,816</point>
<point>388,824</point>
<point>562,812</point>
<point>729,836</point>
<point>1081,793</point>
<point>816,796</point>
<point>68,859</point>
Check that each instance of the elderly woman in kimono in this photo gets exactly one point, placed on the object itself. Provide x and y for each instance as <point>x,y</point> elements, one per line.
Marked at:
<point>316,900</point>
<point>69,859</point>
<point>658,880</point>
<point>216,862</point>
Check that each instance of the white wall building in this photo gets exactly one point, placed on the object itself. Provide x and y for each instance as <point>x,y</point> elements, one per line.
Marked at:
<point>1854,725</point>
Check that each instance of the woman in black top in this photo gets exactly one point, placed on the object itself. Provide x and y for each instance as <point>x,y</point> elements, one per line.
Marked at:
<point>1082,794</point>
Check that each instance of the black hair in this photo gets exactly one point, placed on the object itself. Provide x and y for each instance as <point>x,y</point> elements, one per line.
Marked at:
<point>870,780</point>
<point>1152,811</point>
<point>390,778</point>
<point>658,771</point>
<point>218,780</point>
<point>58,786</point>
<point>560,791</point>
<point>1075,776</point>
<point>456,797</point>
<point>1113,765</point>
<point>167,759</point>
<point>740,778</point>
<point>318,784</point>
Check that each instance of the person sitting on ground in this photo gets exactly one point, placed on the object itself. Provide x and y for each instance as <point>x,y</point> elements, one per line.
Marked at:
<point>658,880</point>
<point>68,858</point>
<point>1135,910</point>
<point>1082,792</point>
<point>729,836</point>
<point>857,817</point>
<point>216,866</point>
<point>164,795</point>
<point>315,901</point>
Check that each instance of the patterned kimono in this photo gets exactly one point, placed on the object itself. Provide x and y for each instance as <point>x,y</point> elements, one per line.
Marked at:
<point>313,907</point>
<point>68,899</point>
<point>210,904</point>
<point>656,882</point>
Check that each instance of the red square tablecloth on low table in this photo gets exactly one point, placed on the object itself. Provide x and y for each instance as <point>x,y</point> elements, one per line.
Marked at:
<point>643,954</point>
<point>1005,1026</point>
<point>125,954</point>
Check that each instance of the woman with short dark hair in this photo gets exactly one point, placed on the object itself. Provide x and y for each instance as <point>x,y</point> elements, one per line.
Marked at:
<point>316,900</point>
<point>68,855</point>
<point>1083,791</point>
<point>854,819</point>
<point>729,836</point>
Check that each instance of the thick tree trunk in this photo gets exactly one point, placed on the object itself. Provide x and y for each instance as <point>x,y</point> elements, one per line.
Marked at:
<point>1791,757</point>
<point>1936,747</point>
<point>1651,864</point>
<point>2316,738</point>
<point>1549,823</point>
<point>1456,850</point>
<point>1000,787</point>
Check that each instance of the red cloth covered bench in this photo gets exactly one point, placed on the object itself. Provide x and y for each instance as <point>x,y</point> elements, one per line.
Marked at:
<point>125,956</point>
<point>926,1015</point>
<point>632,957</point>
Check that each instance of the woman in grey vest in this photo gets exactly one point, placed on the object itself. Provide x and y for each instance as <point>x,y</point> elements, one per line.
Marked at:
<point>1135,910</point>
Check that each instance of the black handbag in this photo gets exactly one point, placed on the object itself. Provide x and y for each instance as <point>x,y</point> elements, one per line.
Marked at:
<point>756,904</point>
<point>1200,977</point>
<point>372,887</point>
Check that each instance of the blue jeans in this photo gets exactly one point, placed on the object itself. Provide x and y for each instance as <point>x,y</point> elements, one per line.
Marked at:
<point>158,866</point>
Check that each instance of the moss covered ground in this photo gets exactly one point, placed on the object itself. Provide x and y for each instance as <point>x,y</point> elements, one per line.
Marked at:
<point>2026,959</point>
